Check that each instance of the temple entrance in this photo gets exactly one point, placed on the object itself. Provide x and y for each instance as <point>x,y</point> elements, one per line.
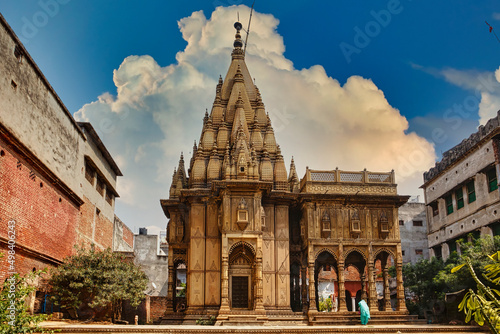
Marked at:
<point>241,266</point>
<point>240,291</point>
<point>326,283</point>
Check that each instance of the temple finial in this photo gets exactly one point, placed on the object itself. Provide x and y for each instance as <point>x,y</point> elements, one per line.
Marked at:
<point>238,43</point>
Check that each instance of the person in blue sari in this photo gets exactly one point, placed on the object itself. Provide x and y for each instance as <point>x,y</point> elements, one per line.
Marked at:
<point>364,311</point>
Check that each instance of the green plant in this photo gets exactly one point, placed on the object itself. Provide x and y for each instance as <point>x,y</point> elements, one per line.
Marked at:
<point>99,280</point>
<point>206,322</point>
<point>181,292</point>
<point>14,314</point>
<point>325,304</point>
<point>482,304</point>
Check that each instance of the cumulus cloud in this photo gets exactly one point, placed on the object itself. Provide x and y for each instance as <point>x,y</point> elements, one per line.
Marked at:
<point>483,87</point>
<point>157,112</point>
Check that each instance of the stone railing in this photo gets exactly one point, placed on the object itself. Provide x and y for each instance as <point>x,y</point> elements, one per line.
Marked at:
<point>339,181</point>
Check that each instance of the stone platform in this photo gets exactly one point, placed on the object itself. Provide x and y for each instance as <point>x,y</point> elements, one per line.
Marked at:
<point>354,329</point>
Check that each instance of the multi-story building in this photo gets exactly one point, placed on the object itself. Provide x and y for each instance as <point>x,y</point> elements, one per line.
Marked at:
<point>57,179</point>
<point>413,231</point>
<point>253,240</point>
<point>461,191</point>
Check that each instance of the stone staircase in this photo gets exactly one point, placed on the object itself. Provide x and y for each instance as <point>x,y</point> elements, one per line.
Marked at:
<point>191,329</point>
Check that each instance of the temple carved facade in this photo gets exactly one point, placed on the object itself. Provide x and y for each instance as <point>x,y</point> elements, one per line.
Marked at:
<point>251,243</point>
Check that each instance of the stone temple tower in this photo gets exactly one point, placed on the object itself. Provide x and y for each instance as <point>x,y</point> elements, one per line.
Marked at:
<point>248,240</point>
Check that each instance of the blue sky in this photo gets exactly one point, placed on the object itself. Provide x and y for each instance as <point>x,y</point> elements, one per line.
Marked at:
<point>433,63</point>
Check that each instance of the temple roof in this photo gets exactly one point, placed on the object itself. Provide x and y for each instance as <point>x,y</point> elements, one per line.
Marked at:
<point>237,141</point>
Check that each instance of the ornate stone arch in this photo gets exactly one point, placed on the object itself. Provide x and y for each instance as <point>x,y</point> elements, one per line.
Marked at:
<point>179,259</point>
<point>353,249</point>
<point>384,249</point>
<point>244,244</point>
<point>328,250</point>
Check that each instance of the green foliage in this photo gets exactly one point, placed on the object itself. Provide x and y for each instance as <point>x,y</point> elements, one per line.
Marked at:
<point>14,314</point>
<point>483,305</point>
<point>325,304</point>
<point>477,252</point>
<point>427,282</point>
<point>206,322</point>
<point>181,292</point>
<point>420,285</point>
<point>98,279</point>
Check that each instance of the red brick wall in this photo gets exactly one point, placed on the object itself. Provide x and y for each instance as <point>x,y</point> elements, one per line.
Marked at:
<point>128,236</point>
<point>103,229</point>
<point>158,306</point>
<point>45,220</point>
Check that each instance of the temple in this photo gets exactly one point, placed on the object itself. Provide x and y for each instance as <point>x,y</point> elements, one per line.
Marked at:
<point>251,243</point>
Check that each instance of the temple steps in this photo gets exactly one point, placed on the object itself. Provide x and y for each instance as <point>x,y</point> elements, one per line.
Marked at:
<point>192,329</point>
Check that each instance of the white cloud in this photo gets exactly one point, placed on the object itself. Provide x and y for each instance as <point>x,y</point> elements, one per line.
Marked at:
<point>484,88</point>
<point>496,16</point>
<point>157,113</point>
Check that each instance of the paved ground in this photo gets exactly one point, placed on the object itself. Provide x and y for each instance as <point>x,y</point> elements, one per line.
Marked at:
<point>385,329</point>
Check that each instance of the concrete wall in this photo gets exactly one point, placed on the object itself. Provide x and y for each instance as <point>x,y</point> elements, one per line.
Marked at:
<point>34,114</point>
<point>472,217</point>
<point>43,188</point>
<point>146,249</point>
<point>123,237</point>
<point>413,238</point>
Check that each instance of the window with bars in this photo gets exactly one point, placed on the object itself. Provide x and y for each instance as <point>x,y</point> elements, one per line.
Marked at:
<point>435,208</point>
<point>418,223</point>
<point>100,186</point>
<point>401,222</point>
<point>89,173</point>
<point>471,191</point>
<point>109,197</point>
<point>459,196</point>
<point>419,252</point>
<point>449,204</point>
<point>492,180</point>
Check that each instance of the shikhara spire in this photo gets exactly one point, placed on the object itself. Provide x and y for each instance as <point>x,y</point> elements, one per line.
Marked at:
<point>237,141</point>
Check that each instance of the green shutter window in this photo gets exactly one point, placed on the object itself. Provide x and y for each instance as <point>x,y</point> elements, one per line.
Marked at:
<point>492,180</point>
<point>471,191</point>
<point>449,204</point>
<point>459,196</point>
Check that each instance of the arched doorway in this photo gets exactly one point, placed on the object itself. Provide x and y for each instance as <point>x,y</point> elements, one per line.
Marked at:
<point>326,282</point>
<point>241,276</point>
<point>383,261</point>
<point>355,279</point>
<point>295,287</point>
<point>180,286</point>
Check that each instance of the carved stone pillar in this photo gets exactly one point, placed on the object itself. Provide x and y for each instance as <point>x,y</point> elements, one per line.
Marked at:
<point>342,302</point>
<point>387,291</point>
<point>170,291</point>
<point>224,305</point>
<point>259,291</point>
<point>312,287</point>
<point>372,289</point>
<point>364,295</point>
<point>304,288</point>
<point>401,291</point>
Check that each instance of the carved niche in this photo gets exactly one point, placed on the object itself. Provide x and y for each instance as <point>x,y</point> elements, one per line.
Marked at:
<point>355,226</point>
<point>325,225</point>
<point>384,224</point>
<point>242,215</point>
